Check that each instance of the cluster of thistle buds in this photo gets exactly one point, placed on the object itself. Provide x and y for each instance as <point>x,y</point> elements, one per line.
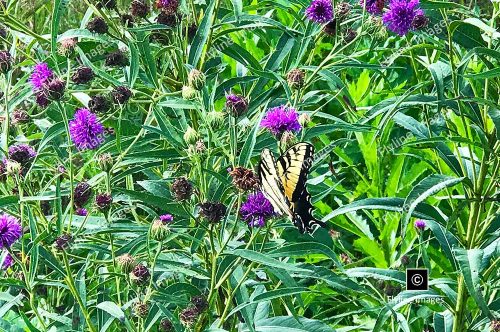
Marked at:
<point>137,272</point>
<point>196,82</point>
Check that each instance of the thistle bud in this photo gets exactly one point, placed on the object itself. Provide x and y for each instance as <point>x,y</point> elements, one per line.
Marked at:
<point>126,263</point>
<point>81,194</point>
<point>13,168</point>
<point>83,75</point>
<point>141,309</point>
<point>215,119</point>
<point>109,4</point>
<point>67,47</point>
<point>419,22</point>
<point>243,178</point>
<point>330,28</point>
<point>121,95</point>
<point>304,119</point>
<point>189,316</point>
<point>5,61</point>
<point>166,219</point>
<point>63,242</point>
<point>237,105</point>
<point>105,162</point>
<point>82,212</point>
<point>350,35</point>
<point>140,275</point>
<point>20,116</point>
<point>190,136</point>
<point>342,10</point>
<point>196,79</point>
<point>103,201</point>
<point>288,139</point>
<point>295,79</point>
<point>189,93</point>
<point>99,104</point>
<point>345,259</point>
<point>420,224</point>
<point>117,58</point>
<point>139,8</point>
<point>55,88</point>
<point>97,25</point>
<point>159,231</point>
<point>166,325</point>
<point>214,212</point>
<point>495,325</point>
<point>182,189</point>
<point>334,234</point>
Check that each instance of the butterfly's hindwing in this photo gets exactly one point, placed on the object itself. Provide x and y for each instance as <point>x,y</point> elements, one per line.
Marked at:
<point>283,182</point>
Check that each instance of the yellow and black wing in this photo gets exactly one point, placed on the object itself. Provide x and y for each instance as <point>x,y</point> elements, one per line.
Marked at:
<point>271,185</point>
<point>285,184</point>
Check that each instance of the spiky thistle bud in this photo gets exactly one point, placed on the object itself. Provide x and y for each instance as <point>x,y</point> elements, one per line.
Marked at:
<point>214,212</point>
<point>159,231</point>
<point>116,58</point>
<point>243,178</point>
<point>139,8</point>
<point>196,79</point>
<point>182,189</point>
<point>20,116</point>
<point>97,25</point>
<point>81,194</point>
<point>141,309</point>
<point>105,162</point>
<point>5,61</point>
<point>214,119</point>
<point>190,136</point>
<point>83,75</point>
<point>121,95</point>
<point>99,104</point>
<point>55,88</point>
<point>140,275</point>
<point>295,78</point>
<point>237,105</point>
<point>126,263</point>
<point>103,201</point>
<point>63,242</point>
<point>189,93</point>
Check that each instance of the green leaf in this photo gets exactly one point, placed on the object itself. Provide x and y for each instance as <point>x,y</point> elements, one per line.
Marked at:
<point>201,36</point>
<point>423,210</point>
<point>290,324</point>
<point>427,187</point>
<point>304,249</point>
<point>260,258</point>
<point>469,262</point>
<point>113,309</point>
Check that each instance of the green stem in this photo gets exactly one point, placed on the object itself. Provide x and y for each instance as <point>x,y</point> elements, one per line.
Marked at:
<point>70,281</point>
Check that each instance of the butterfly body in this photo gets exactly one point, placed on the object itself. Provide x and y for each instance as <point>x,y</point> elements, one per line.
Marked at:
<point>283,182</point>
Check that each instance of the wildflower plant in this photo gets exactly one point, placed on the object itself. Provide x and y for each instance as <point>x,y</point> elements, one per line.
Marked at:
<point>132,130</point>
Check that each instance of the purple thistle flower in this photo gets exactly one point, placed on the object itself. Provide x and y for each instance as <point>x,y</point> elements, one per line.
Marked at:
<point>86,131</point>
<point>373,6</point>
<point>82,212</point>
<point>401,14</point>
<point>280,119</point>
<point>320,11</point>
<point>166,218</point>
<point>41,74</point>
<point>22,153</point>
<point>420,224</point>
<point>256,210</point>
<point>7,262</point>
<point>10,230</point>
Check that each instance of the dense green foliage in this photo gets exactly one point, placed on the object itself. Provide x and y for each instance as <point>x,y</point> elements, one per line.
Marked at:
<point>405,128</point>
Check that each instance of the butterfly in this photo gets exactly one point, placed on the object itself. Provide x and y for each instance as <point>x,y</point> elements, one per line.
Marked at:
<point>283,183</point>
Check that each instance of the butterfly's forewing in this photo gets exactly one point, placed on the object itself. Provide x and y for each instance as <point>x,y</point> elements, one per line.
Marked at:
<point>292,169</point>
<point>270,183</point>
